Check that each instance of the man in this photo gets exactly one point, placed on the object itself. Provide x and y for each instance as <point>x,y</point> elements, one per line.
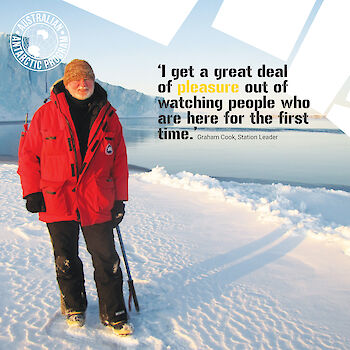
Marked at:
<point>73,169</point>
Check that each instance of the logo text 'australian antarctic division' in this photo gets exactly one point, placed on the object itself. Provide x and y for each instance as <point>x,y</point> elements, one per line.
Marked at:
<point>39,41</point>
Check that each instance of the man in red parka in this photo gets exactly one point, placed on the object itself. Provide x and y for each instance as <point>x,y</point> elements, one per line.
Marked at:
<point>74,172</point>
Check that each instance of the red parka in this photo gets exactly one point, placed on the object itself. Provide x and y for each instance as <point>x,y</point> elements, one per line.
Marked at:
<point>50,162</point>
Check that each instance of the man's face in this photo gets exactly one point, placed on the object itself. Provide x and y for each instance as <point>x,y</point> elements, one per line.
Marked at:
<point>81,89</point>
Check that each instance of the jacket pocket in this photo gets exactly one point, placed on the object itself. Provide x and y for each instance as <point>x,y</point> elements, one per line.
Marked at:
<point>105,194</point>
<point>55,168</point>
<point>54,142</point>
<point>56,199</point>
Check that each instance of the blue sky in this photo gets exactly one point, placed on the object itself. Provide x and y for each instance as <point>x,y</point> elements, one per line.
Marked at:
<point>124,58</point>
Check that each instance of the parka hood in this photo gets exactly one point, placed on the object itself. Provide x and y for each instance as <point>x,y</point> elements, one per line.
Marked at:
<point>58,87</point>
<point>99,97</point>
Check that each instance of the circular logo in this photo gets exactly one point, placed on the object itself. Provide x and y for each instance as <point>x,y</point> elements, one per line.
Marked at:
<point>109,150</point>
<point>39,41</point>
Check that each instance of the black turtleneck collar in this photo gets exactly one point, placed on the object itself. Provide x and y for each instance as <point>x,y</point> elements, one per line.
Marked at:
<point>82,116</point>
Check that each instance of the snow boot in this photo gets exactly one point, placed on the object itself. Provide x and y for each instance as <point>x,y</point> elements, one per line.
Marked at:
<point>75,319</point>
<point>121,328</point>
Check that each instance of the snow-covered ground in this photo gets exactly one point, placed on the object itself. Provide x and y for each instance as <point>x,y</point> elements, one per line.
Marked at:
<point>216,266</point>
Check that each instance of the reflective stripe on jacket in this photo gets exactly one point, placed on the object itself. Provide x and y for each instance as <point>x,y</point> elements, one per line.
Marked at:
<point>50,162</point>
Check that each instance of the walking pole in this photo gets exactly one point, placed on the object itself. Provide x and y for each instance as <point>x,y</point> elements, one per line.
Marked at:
<point>23,135</point>
<point>132,292</point>
<point>26,123</point>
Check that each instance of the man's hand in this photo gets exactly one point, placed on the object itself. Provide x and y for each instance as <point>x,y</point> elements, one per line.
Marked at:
<point>35,202</point>
<point>118,212</point>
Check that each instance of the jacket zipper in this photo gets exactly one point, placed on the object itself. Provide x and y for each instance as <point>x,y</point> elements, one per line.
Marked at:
<point>74,149</point>
<point>98,128</point>
<point>84,165</point>
<point>72,138</point>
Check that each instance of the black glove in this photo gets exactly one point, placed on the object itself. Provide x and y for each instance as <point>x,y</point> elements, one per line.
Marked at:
<point>118,212</point>
<point>35,202</point>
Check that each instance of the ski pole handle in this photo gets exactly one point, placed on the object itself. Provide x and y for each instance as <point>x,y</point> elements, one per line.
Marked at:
<point>26,123</point>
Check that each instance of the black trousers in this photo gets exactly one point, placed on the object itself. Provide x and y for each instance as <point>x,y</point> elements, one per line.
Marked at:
<point>108,277</point>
